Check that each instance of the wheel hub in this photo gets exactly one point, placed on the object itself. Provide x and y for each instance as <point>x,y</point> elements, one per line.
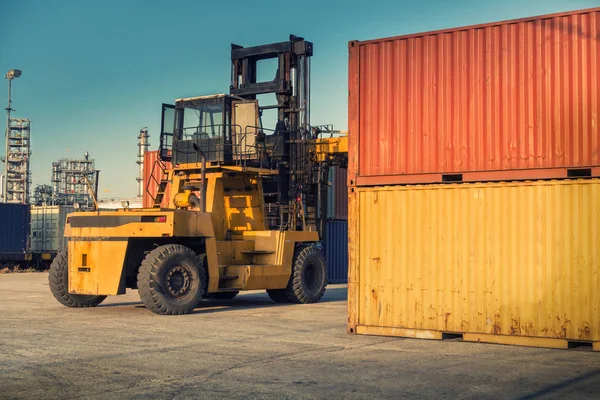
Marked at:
<point>178,281</point>
<point>311,276</point>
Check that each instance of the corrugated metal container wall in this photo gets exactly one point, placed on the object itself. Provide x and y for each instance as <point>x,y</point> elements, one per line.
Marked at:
<point>337,194</point>
<point>519,259</point>
<point>336,251</point>
<point>151,185</point>
<point>48,228</point>
<point>508,96</point>
<point>14,231</point>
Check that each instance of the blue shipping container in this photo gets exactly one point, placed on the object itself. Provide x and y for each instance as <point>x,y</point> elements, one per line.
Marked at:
<point>14,231</point>
<point>336,251</point>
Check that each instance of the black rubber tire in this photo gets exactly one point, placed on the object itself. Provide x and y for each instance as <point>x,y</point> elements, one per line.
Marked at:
<point>58,280</point>
<point>222,295</point>
<point>154,287</point>
<point>308,280</point>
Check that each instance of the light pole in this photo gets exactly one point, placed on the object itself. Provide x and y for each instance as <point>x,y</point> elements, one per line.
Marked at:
<point>10,75</point>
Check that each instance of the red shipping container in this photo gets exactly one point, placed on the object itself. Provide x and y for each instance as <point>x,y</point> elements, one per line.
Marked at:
<point>514,98</point>
<point>152,175</point>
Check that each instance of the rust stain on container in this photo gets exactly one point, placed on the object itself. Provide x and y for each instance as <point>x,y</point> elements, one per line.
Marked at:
<point>518,259</point>
<point>150,185</point>
<point>505,96</point>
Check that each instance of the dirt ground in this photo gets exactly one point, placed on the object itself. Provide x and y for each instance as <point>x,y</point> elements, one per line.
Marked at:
<point>251,348</point>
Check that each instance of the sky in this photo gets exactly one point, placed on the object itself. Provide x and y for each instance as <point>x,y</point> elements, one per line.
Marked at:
<point>96,72</point>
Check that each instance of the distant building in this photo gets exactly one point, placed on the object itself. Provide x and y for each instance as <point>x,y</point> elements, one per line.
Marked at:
<point>42,195</point>
<point>72,180</point>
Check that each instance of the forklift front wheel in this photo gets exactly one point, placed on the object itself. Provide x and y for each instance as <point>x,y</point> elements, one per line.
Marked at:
<point>171,280</point>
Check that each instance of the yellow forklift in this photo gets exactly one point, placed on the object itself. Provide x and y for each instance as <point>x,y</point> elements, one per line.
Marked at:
<point>247,207</point>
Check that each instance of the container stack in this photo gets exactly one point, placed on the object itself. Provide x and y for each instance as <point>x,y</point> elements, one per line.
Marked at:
<point>15,220</point>
<point>474,198</point>
<point>31,236</point>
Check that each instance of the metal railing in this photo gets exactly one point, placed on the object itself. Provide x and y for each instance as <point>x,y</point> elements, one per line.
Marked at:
<point>248,146</point>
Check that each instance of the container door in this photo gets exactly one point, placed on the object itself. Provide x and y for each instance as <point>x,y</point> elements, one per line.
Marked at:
<point>36,230</point>
<point>53,230</point>
<point>62,241</point>
<point>331,193</point>
<point>50,229</point>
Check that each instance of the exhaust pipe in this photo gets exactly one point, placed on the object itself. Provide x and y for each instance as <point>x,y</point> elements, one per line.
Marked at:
<point>202,178</point>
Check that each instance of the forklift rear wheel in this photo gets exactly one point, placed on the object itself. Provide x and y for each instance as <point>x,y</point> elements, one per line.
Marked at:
<point>58,279</point>
<point>278,295</point>
<point>308,280</point>
<point>222,295</point>
<point>171,280</point>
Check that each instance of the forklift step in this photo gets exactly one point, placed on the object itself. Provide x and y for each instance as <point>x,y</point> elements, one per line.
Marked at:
<point>258,265</point>
<point>249,265</point>
<point>257,252</point>
<point>229,289</point>
<point>228,277</point>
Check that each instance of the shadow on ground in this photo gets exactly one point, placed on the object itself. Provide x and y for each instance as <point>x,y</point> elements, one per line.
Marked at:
<point>591,379</point>
<point>244,301</point>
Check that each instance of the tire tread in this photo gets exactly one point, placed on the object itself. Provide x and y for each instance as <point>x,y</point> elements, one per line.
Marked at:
<point>148,279</point>
<point>294,292</point>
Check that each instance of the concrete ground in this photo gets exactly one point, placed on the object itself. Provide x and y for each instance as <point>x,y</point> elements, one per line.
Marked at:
<point>251,348</point>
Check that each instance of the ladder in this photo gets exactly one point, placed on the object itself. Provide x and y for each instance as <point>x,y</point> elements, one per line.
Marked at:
<point>160,184</point>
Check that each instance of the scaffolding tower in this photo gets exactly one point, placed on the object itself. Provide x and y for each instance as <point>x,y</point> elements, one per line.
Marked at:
<point>18,180</point>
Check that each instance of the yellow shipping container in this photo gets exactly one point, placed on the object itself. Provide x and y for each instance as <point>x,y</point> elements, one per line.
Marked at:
<point>512,263</point>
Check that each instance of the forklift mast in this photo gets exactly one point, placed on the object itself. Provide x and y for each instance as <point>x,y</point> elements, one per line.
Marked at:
<point>291,85</point>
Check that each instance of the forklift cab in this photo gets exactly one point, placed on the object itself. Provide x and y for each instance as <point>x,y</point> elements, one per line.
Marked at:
<point>224,127</point>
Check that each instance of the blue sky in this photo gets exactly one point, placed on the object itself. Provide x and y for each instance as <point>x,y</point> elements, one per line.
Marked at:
<point>95,72</point>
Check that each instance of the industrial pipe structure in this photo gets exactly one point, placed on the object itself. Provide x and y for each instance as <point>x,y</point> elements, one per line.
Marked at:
<point>143,145</point>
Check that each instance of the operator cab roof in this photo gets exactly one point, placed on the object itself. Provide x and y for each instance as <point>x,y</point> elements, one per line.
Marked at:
<point>207,97</point>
